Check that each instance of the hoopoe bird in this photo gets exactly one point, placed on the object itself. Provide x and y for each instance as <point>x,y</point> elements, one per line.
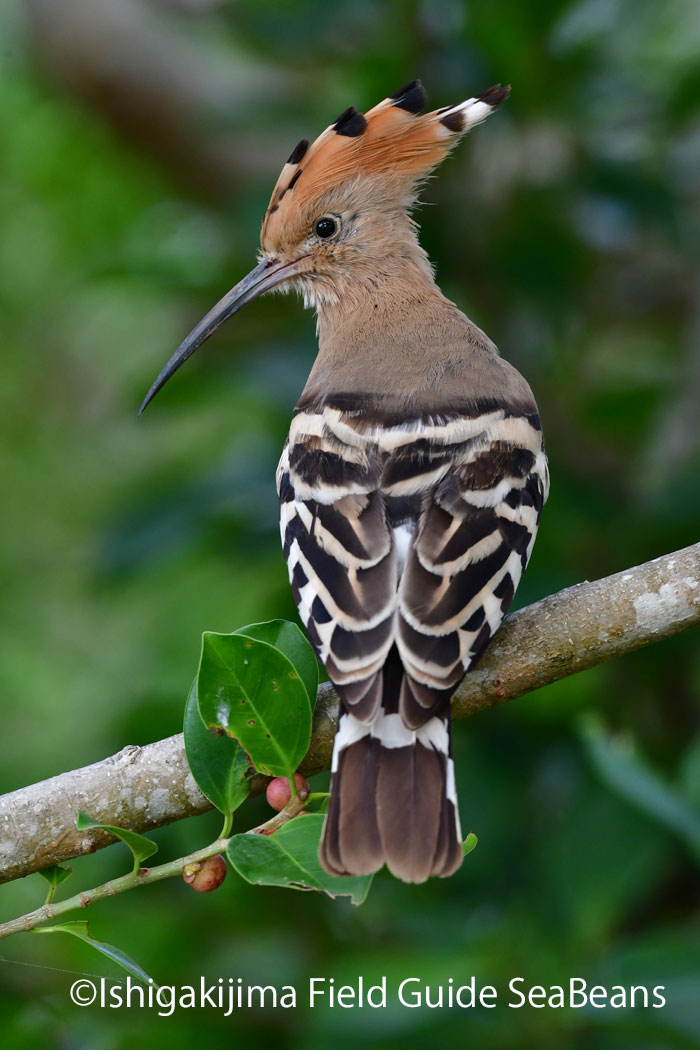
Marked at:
<point>412,480</point>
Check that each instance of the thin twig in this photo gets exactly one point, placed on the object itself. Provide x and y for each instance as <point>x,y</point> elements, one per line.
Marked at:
<point>142,877</point>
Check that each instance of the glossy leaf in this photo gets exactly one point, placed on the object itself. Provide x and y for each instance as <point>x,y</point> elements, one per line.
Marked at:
<point>251,690</point>
<point>291,641</point>
<point>80,929</point>
<point>218,764</point>
<point>140,846</point>
<point>290,858</point>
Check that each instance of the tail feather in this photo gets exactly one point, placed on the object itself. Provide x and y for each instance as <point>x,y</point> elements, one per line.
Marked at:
<point>392,800</point>
<point>449,852</point>
<point>351,842</point>
<point>410,789</point>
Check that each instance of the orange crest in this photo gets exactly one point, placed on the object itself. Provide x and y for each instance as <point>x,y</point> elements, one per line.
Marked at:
<point>392,139</point>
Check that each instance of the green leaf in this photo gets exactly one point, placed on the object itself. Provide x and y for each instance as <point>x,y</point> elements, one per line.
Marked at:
<point>293,643</point>
<point>56,874</point>
<point>80,929</point>
<point>631,777</point>
<point>140,846</point>
<point>218,764</point>
<point>251,690</point>
<point>469,843</point>
<point>290,858</point>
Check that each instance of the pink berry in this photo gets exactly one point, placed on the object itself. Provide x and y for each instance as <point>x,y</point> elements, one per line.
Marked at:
<point>278,793</point>
<point>205,875</point>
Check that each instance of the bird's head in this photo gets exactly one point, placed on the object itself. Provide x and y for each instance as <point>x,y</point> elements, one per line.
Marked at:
<point>339,216</point>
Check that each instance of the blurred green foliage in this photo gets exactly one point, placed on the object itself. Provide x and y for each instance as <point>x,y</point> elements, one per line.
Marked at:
<point>567,227</point>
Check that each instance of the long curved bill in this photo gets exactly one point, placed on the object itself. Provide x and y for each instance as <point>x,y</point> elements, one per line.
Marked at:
<point>262,278</point>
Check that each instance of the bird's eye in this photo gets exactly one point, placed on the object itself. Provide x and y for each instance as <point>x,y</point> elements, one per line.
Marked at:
<point>326,227</point>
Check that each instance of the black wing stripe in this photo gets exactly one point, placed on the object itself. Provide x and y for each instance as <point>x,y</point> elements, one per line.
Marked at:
<point>319,468</point>
<point>441,650</point>
<point>363,699</point>
<point>348,645</point>
<point>500,460</point>
<point>448,538</point>
<point>418,702</point>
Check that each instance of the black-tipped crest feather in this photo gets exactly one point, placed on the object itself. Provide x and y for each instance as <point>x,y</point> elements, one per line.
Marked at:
<point>411,97</point>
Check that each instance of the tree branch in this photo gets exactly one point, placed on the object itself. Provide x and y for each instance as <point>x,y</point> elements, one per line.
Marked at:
<point>146,787</point>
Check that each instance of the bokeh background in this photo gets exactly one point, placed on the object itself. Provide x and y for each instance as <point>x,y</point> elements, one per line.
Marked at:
<point>140,142</point>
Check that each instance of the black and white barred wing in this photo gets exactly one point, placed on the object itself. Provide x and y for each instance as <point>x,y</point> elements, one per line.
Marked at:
<point>339,552</point>
<point>473,539</point>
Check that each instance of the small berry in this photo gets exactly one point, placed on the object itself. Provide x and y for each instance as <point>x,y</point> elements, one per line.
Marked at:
<point>205,875</point>
<point>278,793</point>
